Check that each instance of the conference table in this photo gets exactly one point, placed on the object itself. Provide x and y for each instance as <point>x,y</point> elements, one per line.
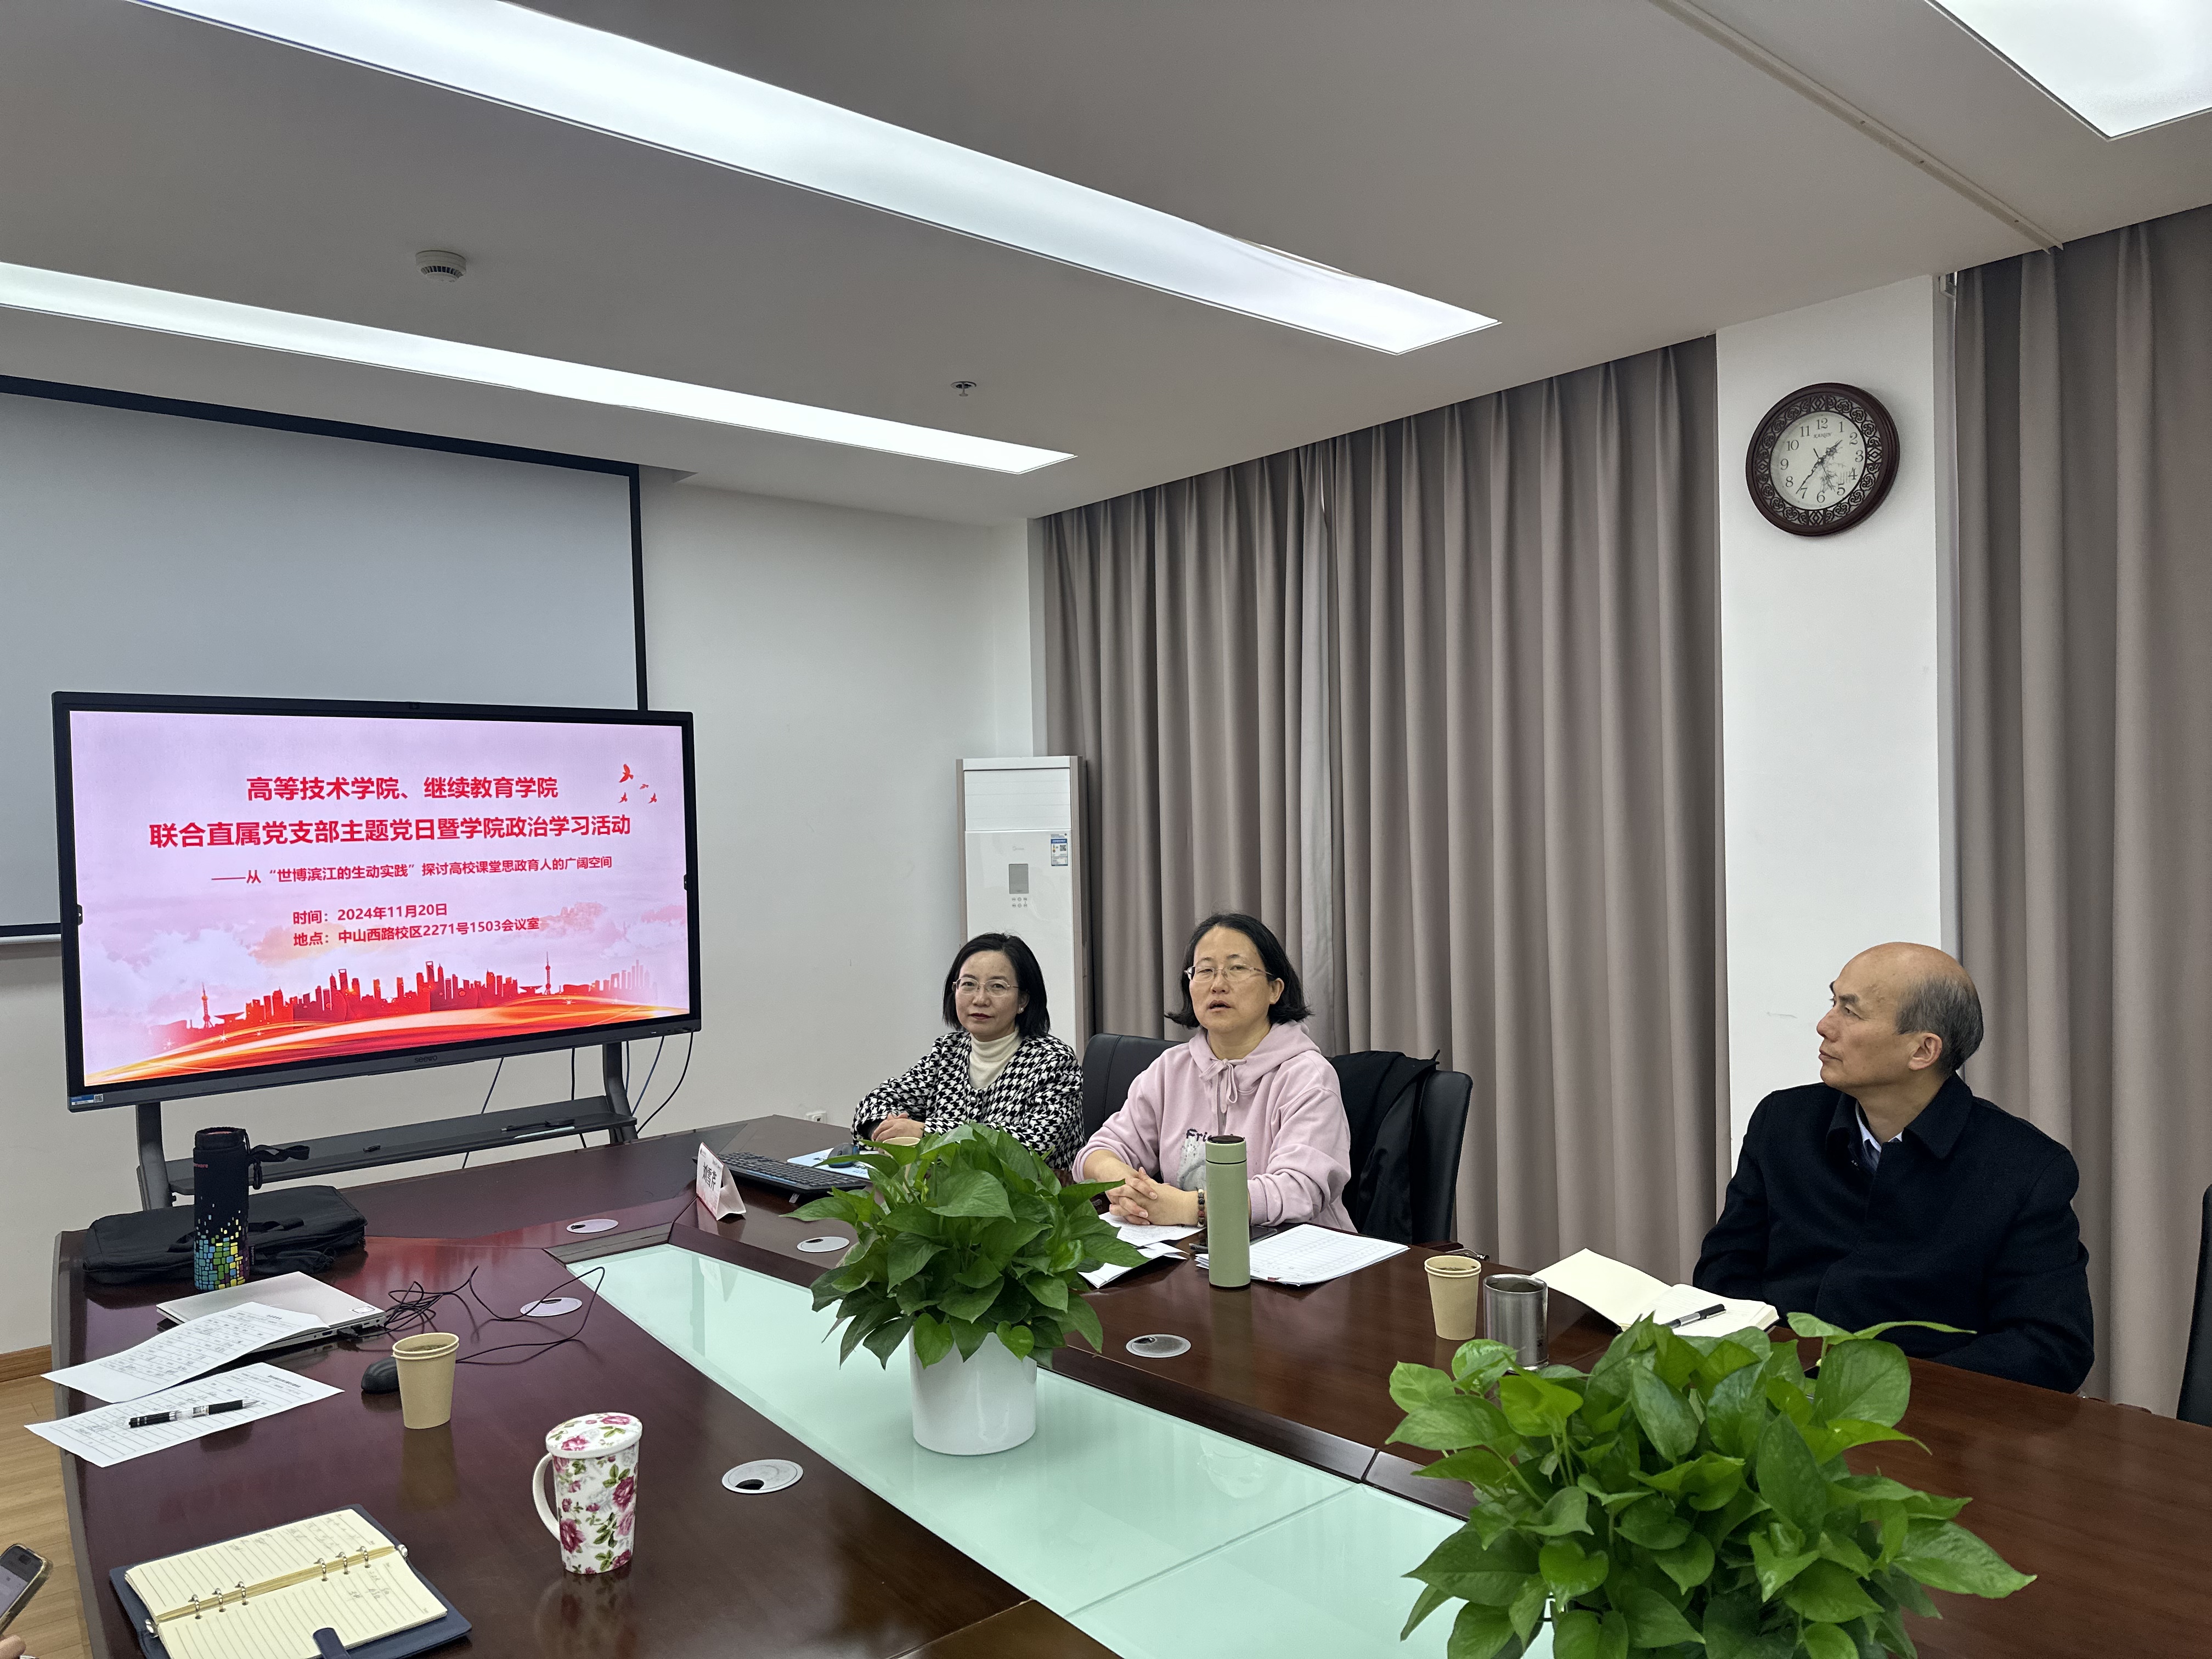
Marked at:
<point>1237,1498</point>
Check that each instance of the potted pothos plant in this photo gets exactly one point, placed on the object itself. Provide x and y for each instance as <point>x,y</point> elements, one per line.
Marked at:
<point>1688,1493</point>
<point>967,1248</point>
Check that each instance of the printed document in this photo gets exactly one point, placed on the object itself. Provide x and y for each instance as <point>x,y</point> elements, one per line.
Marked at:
<point>185,1350</point>
<point>1307,1255</point>
<point>104,1438</point>
<point>1624,1294</point>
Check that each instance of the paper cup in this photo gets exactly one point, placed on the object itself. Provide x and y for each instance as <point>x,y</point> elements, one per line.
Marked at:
<point>426,1378</point>
<point>1454,1295</point>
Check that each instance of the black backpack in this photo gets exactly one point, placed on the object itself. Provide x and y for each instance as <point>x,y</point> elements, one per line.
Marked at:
<point>294,1230</point>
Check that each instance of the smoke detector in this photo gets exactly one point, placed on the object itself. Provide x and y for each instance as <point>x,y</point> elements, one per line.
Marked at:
<point>441,265</point>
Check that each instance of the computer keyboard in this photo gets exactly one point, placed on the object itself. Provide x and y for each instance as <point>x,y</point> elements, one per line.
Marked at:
<point>789,1177</point>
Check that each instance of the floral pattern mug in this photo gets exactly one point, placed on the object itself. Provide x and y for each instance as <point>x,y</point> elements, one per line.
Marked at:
<point>593,1511</point>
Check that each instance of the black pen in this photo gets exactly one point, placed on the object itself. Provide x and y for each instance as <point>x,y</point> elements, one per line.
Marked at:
<point>148,1421</point>
<point>1692,1318</point>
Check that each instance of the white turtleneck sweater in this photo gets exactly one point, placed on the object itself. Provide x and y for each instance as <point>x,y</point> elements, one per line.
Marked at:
<point>987,1060</point>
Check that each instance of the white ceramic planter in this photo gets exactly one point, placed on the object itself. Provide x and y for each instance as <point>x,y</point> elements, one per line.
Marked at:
<point>969,1406</point>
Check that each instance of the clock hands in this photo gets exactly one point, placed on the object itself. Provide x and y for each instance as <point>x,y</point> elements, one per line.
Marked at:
<point>1820,461</point>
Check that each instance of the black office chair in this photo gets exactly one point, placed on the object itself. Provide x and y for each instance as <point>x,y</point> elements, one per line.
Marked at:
<point>1408,1123</point>
<point>1110,1064</point>
<point>2195,1405</point>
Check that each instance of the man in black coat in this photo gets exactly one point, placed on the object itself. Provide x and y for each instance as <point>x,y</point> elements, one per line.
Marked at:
<point>1887,1191</point>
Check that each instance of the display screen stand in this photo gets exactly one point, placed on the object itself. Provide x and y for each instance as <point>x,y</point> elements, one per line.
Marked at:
<point>163,1179</point>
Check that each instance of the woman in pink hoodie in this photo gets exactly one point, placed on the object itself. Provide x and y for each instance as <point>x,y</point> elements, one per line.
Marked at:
<point>1250,1069</point>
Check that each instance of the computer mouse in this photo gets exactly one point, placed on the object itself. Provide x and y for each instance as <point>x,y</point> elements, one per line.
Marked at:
<point>382,1377</point>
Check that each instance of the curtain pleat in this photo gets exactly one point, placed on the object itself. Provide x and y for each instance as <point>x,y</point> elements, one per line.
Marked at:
<point>1439,700</point>
<point>2085,394</point>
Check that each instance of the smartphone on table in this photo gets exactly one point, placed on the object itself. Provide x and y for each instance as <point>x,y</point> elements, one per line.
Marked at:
<point>22,1571</point>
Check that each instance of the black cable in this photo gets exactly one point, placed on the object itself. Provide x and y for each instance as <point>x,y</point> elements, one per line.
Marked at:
<point>680,1076</point>
<point>415,1309</point>
<point>486,1107</point>
<point>649,1071</point>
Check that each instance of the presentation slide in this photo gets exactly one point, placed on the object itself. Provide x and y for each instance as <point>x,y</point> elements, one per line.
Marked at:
<point>265,890</point>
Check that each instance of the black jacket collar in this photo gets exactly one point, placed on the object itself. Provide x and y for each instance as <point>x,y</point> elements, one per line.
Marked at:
<point>1938,1127</point>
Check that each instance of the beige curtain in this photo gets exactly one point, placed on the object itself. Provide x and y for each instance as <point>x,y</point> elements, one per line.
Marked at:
<point>2085,786</point>
<point>1439,700</point>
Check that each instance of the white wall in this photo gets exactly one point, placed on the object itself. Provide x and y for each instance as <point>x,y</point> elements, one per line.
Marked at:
<point>1835,693</point>
<point>839,662</point>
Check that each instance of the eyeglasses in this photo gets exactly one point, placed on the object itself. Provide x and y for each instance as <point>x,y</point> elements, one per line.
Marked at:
<point>1235,975</point>
<point>993,987</point>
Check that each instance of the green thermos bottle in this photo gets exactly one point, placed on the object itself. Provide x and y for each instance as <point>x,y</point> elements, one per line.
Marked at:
<point>1228,1214</point>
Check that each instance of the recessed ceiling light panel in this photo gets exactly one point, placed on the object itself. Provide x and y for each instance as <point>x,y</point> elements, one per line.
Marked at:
<point>510,55</point>
<point>58,294</point>
<point>2121,65</point>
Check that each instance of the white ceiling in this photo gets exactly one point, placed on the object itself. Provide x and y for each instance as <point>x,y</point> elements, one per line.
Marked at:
<point>1597,173</point>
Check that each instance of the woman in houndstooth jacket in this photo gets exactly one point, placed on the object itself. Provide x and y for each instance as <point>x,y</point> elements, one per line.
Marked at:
<point>1001,1065</point>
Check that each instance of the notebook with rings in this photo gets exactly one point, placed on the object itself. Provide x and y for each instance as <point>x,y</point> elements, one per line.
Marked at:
<point>333,1583</point>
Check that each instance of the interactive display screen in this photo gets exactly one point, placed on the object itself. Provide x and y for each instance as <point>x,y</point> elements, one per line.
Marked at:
<point>264,892</point>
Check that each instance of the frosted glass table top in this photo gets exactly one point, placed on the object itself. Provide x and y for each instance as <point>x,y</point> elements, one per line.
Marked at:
<point>1150,1534</point>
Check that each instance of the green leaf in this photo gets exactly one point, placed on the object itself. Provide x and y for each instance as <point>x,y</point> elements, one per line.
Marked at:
<point>1480,1632</point>
<point>1908,1595</point>
<point>910,1253</point>
<point>1536,1407</point>
<point>1844,1553</point>
<point>1569,1571</point>
<point>1575,1635</point>
<point>1051,1292</point>
<point>1653,1620</point>
<point>1834,1439</point>
<point>1873,1331</point>
<point>968,1302</point>
<point>1413,1386</point>
<point>1456,1422</point>
<point>1828,1592</point>
<point>884,1340</point>
<point>1488,1589</point>
<point>1655,1523</point>
<point>1788,1479</point>
<point>1082,1318</point>
<point>1807,1324</point>
<point>1583,1635</point>
<point>1705,1482</point>
<point>1426,1603</point>
<point>1945,1554</point>
<point>1865,1381</point>
<point>1667,1421</point>
<point>1566,1511</point>
<point>1826,1642</point>
<point>932,1338</point>
<point>1019,1339</point>
<point>1528,1610</point>
<point>1736,1411</point>
<point>1688,1564</point>
<point>1732,1630</point>
<point>1465,1551</point>
<point>969,1191</point>
<point>1776,1566</point>
<point>1479,1364</point>
<point>1483,1469</point>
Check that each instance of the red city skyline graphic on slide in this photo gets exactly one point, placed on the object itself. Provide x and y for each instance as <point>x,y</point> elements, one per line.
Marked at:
<point>339,1019</point>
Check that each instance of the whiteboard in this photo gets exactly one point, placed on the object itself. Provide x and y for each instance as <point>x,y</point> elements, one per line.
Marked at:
<point>152,551</point>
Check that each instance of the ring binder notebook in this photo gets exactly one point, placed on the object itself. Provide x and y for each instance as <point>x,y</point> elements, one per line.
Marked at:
<point>288,1593</point>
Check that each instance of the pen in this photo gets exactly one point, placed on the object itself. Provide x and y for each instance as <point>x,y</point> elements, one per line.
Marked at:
<point>1692,1318</point>
<point>153,1417</point>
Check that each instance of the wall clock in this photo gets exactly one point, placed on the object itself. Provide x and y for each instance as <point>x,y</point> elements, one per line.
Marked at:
<point>1822,459</point>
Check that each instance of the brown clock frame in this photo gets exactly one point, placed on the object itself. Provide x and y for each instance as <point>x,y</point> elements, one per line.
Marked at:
<point>1864,410</point>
